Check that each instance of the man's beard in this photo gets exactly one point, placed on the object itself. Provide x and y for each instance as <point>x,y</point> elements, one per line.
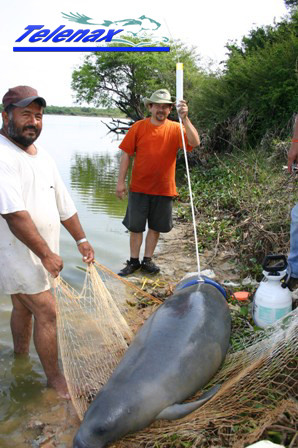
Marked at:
<point>15,133</point>
<point>160,116</point>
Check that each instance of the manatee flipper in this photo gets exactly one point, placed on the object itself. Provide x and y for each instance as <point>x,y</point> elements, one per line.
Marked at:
<point>181,410</point>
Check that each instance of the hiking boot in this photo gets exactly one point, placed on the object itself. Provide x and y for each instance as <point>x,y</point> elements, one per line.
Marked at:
<point>149,266</point>
<point>130,268</point>
<point>292,284</point>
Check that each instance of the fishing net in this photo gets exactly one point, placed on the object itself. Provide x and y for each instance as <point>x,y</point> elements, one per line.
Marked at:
<point>94,329</point>
<point>259,377</point>
<point>259,382</point>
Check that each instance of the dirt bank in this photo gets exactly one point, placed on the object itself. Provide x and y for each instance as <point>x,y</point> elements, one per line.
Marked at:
<point>177,256</point>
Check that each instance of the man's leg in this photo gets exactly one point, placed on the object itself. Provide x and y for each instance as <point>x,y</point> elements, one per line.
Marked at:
<point>135,243</point>
<point>147,264</point>
<point>293,256</point>
<point>151,242</point>
<point>21,326</point>
<point>159,220</point>
<point>42,306</point>
<point>133,264</point>
<point>135,221</point>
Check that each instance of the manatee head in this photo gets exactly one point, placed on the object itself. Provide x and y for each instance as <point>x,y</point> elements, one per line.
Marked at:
<point>91,436</point>
<point>104,422</point>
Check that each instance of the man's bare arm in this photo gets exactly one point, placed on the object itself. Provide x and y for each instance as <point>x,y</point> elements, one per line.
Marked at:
<point>124,164</point>
<point>74,227</point>
<point>191,132</point>
<point>22,226</point>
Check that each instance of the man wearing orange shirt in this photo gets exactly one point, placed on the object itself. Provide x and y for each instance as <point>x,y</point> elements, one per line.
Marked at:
<point>154,142</point>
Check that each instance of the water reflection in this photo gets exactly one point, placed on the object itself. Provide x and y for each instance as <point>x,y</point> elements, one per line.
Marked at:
<point>20,383</point>
<point>95,178</point>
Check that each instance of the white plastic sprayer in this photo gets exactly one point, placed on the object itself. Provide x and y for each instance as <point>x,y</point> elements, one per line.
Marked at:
<point>179,97</point>
<point>272,301</point>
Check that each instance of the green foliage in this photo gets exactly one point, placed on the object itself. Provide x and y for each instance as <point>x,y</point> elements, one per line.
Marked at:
<point>256,94</point>
<point>83,111</point>
<point>242,202</point>
<point>123,79</point>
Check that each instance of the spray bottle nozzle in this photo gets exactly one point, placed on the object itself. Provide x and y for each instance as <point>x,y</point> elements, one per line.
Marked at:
<point>275,263</point>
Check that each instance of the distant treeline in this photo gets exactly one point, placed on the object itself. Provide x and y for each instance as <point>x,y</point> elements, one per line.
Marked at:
<point>87,111</point>
<point>82,111</point>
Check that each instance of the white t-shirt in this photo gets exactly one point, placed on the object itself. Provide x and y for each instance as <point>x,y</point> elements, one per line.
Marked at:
<point>31,183</point>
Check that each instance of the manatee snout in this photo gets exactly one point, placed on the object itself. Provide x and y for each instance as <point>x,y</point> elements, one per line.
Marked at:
<point>80,443</point>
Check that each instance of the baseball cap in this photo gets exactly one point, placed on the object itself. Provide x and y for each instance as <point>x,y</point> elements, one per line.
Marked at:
<point>21,96</point>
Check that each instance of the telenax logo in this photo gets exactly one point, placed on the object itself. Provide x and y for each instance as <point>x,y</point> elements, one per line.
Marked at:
<point>142,28</point>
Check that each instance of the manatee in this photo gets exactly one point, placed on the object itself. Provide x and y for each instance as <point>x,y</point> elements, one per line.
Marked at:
<point>174,354</point>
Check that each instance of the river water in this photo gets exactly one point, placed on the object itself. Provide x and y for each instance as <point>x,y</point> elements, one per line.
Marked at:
<point>88,160</point>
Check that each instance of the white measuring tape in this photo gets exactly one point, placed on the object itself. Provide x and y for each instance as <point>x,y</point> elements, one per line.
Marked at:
<point>179,97</point>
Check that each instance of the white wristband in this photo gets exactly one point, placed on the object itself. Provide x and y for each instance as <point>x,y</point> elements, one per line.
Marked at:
<point>82,240</point>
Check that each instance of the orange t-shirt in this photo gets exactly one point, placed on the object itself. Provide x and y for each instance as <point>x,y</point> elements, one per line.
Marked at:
<point>155,149</point>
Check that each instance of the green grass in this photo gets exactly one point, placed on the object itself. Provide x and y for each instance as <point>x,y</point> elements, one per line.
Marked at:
<point>242,202</point>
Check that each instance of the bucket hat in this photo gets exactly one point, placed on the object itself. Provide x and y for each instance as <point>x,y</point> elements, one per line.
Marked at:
<point>21,96</point>
<point>161,96</point>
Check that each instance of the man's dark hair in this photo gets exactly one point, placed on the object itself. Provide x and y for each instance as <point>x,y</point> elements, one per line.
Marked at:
<point>9,108</point>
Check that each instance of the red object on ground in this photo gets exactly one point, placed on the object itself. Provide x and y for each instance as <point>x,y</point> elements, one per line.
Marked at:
<point>241,295</point>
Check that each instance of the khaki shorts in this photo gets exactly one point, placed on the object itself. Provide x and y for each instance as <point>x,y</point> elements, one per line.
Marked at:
<point>157,210</point>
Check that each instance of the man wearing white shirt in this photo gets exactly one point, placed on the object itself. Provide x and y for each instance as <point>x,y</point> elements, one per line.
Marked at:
<point>33,203</point>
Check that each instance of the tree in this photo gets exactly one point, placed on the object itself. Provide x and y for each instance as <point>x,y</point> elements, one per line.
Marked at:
<point>256,93</point>
<point>123,79</point>
<point>291,3</point>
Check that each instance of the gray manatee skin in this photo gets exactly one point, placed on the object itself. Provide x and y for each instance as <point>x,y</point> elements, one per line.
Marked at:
<point>174,354</point>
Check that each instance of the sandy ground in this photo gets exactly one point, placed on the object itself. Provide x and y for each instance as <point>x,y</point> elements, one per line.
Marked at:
<point>177,257</point>
<point>58,423</point>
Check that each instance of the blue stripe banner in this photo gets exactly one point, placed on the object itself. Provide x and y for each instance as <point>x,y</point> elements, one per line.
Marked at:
<point>98,49</point>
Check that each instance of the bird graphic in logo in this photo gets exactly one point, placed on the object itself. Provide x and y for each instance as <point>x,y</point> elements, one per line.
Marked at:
<point>141,27</point>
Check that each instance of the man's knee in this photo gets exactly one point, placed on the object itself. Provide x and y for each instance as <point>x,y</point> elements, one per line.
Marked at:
<point>41,305</point>
<point>46,311</point>
<point>154,232</point>
<point>19,308</point>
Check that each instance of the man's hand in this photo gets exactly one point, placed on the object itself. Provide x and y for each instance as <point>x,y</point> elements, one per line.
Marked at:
<point>293,153</point>
<point>182,109</point>
<point>123,167</point>
<point>121,190</point>
<point>52,263</point>
<point>73,226</point>
<point>87,251</point>
<point>292,156</point>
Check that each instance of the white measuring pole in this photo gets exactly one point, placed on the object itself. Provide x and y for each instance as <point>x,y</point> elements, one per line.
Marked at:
<point>179,97</point>
<point>179,82</point>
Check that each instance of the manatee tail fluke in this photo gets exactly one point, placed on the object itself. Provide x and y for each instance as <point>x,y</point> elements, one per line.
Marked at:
<point>181,410</point>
